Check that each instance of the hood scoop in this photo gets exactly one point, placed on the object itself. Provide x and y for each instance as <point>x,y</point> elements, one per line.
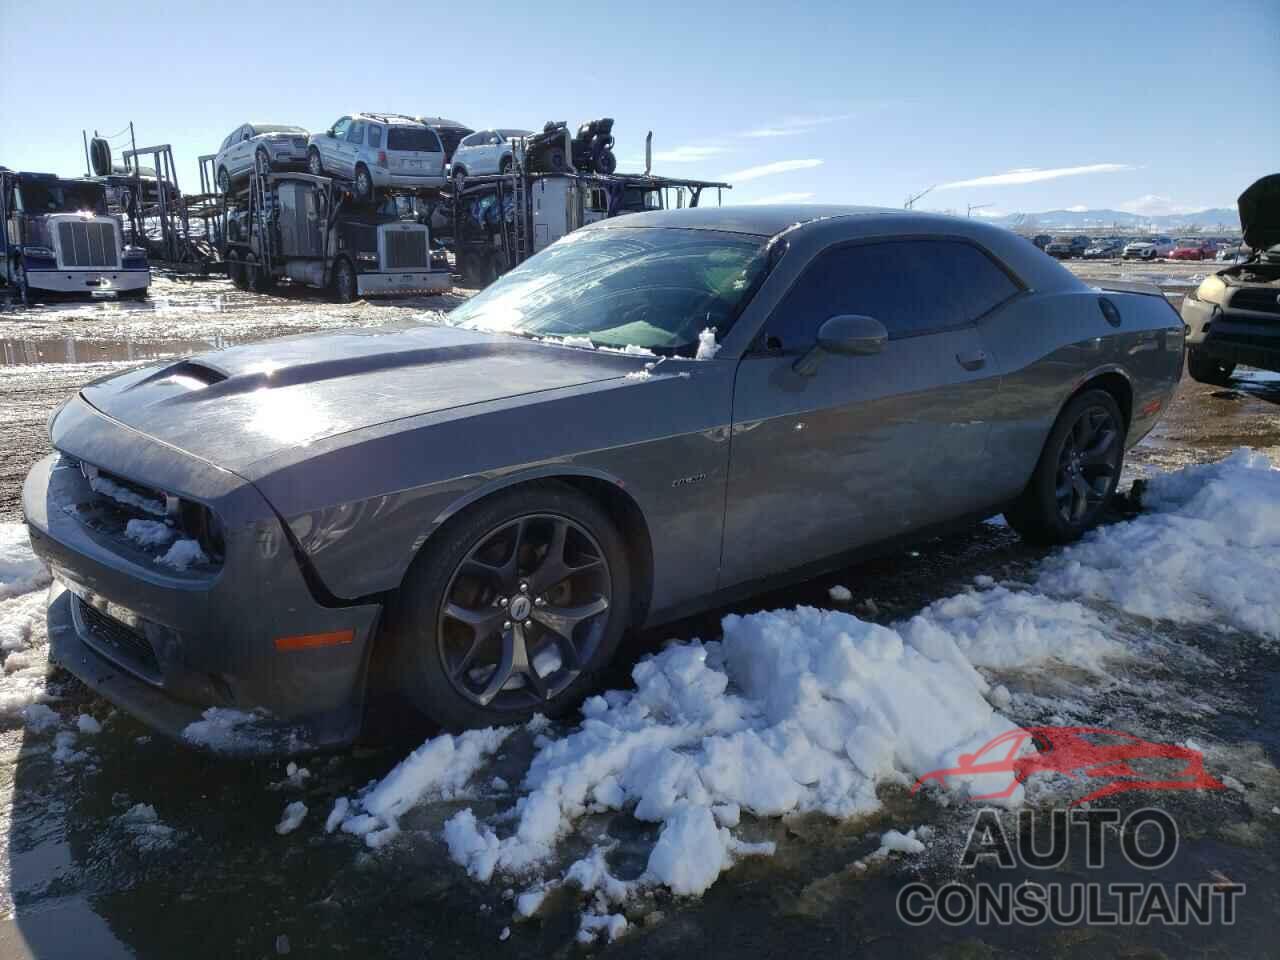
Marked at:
<point>193,374</point>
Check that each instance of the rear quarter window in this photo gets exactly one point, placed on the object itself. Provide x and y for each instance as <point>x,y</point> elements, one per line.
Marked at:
<point>375,135</point>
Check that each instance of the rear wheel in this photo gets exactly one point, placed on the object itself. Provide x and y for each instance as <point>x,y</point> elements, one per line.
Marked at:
<point>235,269</point>
<point>344,281</point>
<point>315,166</point>
<point>1206,369</point>
<point>523,598</point>
<point>364,184</point>
<point>255,275</point>
<point>504,168</point>
<point>1077,472</point>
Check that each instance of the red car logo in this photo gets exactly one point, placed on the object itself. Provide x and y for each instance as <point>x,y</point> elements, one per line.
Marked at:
<point>1082,753</point>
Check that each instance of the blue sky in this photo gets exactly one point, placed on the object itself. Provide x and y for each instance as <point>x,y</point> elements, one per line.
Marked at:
<point>1025,106</point>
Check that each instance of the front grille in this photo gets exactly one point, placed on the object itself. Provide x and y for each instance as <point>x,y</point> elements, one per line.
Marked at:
<point>406,249</point>
<point>89,243</point>
<point>1261,299</point>
<point>118,642</point>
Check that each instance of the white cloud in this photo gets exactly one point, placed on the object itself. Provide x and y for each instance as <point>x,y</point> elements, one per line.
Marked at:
<point>792,126</point>
<point>688,153</point>
<point>769,169</point>
<point>1035,175</point>
<point>781,198</point>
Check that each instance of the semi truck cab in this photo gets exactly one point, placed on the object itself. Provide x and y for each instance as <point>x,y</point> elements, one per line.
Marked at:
<point>59,238</point>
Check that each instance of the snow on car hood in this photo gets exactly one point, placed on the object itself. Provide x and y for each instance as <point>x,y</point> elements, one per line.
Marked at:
<point>1259,208</point>
<point>236,406</point>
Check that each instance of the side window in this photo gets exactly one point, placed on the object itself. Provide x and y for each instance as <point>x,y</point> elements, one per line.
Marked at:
<point>911,286</point>
<point>494,139</point>
<point>340,128</point>
<point>375,135</point>
<point>356,133</point>
<point>246,132</point>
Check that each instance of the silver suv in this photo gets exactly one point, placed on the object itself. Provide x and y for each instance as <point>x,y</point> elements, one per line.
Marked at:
<point>378,150</point>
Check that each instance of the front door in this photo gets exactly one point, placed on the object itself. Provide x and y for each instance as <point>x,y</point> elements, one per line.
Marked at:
<point>864,448</point>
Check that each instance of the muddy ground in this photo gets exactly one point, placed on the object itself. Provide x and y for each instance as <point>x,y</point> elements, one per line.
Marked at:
<point>78,883</point>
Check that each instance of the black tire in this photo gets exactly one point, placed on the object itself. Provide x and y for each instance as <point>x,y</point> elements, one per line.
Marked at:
<point>224,181</point>
<point>363,182</point>
<point>256,279</point>
<point>235,269</point>
<point>546,671</point>
<point>504,167</point>
<point>1071,487</point>
<point>1206,369</point>
<point>344,281</point>
<point>606,163</point>
<point>315,165</point>
<point>459,175</point>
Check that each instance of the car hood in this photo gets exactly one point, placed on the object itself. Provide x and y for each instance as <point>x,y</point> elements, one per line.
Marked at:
<point>240,405</point>
<point>1259,208</point>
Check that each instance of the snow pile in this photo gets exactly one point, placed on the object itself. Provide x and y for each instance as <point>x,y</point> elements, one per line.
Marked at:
<point>707,346</point>
<point>149,533</point>
<point>292,817</point>
<point>183,554</point>
<point>143,824</point>
<point>440,769</point>
<point>20,570</point>
<point>803,710</point>
<point>124,496</point>
<point>88,725</point>
<point>227,730</point>
<point>1209,550</point>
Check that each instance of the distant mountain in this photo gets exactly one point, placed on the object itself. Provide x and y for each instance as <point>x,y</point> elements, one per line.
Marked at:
<point>1214,218</point>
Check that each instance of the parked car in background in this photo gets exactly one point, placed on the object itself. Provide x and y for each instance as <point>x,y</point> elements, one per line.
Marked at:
<point>1234,316</point>
<point>485,152</point>
<point>268,146</point>
<point>450,132</point>
<point>1041,240</point>
<point>379,496</point>
<point>1064,248</point>
<point>1233,253</point>
<point>1148,249</point>
<point>1193,248</point>
<point>378,151</point>
<point>1104,248</point>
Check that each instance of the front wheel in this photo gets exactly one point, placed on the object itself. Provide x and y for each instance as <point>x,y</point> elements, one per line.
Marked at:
<point>1206,369</point>
<point>224,181</point>
<point>511,609</point>
<point>1077,472</point>
<point>344,281</point>
<point>315,166</point>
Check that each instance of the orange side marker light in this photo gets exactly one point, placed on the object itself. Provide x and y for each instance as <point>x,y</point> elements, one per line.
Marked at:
<point>309,641</point>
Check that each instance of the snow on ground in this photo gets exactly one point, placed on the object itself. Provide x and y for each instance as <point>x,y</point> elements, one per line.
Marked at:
<point>143,824</point>
<point>812,710</point>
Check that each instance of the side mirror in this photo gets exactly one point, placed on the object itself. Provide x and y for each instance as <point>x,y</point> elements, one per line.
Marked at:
<point>847,333</point>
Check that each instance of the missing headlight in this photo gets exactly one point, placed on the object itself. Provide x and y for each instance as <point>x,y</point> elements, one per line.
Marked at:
<point>202,525</point>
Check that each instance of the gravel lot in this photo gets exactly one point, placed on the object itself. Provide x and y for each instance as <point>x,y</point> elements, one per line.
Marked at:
<point>204,874</point>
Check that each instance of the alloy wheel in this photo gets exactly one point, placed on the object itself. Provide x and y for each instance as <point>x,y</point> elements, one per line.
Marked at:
<point>524,612</point>
<point>1088,464</point>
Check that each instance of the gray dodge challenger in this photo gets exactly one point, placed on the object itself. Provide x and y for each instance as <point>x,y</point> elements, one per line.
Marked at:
<point>657,414</point>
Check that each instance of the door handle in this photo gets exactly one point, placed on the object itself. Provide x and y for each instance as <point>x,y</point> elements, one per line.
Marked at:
<point>973,360</point>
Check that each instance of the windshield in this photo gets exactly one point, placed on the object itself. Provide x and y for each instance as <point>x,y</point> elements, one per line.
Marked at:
<point>656,288</point>
<point>61,196</point>
<point>412,138</point>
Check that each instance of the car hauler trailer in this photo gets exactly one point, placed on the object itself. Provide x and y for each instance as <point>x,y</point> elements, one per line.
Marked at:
<point>500,221</point>
<point>59,237</point>
<point>309,230</point>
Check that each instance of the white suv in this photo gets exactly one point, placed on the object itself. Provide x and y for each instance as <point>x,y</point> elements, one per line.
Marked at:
<point>484,152</point>
<point>378,150</point>
<point>1148,249</point>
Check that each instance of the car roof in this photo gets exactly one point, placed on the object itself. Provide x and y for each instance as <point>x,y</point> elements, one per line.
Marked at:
<point>444,122</point>
<point>766,220</point>
<point>390,118</point>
